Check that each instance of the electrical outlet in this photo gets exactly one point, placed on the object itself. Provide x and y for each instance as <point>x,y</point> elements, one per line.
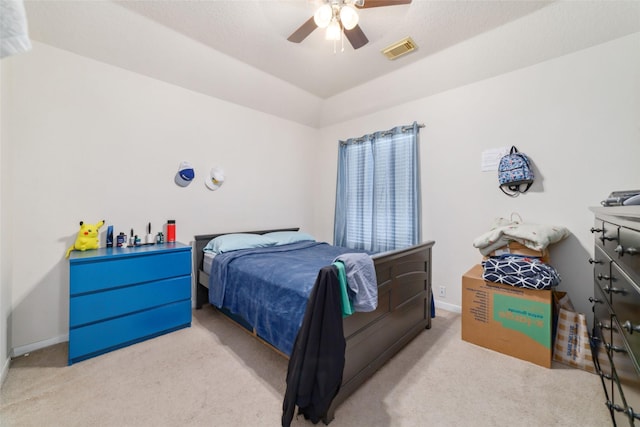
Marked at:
<point>442,292</point>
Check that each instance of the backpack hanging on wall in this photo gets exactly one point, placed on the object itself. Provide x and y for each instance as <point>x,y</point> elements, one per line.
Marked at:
<point>514,173</point>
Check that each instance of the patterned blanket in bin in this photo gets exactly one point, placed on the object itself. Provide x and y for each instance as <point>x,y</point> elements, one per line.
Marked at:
<point>520,271</point>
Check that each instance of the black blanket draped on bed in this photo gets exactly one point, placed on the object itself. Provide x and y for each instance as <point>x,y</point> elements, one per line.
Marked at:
<point>317,360</point>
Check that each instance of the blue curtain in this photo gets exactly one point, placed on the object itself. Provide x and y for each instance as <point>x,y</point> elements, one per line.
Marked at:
<point>378,191</point>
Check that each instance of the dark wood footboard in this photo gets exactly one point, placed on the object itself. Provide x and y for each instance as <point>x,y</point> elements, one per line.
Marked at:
<point>404,310</point>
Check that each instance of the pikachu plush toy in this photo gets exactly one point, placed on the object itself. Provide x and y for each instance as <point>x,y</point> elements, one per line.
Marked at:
<point>87,237</point>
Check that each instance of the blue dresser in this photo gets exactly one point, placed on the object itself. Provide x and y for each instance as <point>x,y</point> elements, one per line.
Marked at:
<point>121,296</point>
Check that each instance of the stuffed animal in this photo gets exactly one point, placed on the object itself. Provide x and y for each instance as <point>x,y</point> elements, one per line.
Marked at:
<point>87,237</point>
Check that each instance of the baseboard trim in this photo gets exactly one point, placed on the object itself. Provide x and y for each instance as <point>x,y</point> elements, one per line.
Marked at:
<point>24,349</point>
<point>447,306</point>
<point>5,371</point>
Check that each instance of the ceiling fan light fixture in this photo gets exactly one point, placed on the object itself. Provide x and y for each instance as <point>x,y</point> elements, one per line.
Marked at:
<point>333,30</point>
<point>349,17</point>
<point>340,18</point>
<point>323,16</point>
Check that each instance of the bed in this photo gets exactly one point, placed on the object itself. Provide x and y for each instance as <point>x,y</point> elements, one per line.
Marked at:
<point>372,338</point>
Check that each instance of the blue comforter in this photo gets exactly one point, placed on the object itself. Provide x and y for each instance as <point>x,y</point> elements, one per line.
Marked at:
<point>269,287</point>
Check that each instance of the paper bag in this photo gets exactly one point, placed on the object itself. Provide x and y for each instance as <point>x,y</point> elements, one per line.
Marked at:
<point>572,345</point>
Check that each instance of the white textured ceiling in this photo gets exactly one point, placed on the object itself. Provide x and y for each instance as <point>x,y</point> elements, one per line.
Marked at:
<point>202,45</point>
<point>255,32</point>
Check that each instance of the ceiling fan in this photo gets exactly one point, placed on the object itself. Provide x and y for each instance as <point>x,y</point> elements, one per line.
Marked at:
<point>341,16</point>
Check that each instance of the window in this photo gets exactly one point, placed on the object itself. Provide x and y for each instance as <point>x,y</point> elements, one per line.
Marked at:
<point>378,191</point>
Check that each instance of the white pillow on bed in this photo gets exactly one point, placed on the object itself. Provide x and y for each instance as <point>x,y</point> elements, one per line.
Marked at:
<point>286,237</point>
<point>237,241</point>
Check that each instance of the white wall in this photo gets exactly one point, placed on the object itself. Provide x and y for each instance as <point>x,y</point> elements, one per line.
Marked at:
<point>578,119</point>
<point>5,253</point>
<point>84,141</point>
<point>89,141</point>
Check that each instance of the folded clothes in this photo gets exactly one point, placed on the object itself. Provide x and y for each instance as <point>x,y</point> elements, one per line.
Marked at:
<point>520,271</point>
<point>533,236</point>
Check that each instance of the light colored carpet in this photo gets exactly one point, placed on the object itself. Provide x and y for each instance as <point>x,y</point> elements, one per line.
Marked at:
<point>216,375</point>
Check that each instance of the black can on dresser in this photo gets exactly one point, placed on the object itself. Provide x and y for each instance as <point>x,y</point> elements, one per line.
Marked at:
<point>616,308</point>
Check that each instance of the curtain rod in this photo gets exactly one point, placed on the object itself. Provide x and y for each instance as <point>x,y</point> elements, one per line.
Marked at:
<point>383,133</point>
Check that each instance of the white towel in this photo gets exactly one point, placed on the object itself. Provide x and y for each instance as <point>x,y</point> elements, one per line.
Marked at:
<point>14,35</point>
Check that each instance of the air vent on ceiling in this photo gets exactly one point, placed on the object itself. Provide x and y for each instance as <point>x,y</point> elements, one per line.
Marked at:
<point>400,48</point>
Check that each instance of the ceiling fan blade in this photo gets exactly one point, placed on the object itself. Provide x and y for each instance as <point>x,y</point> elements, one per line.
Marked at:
<point>302,32</point>
<point>356,37</point>
<point>380,3</point>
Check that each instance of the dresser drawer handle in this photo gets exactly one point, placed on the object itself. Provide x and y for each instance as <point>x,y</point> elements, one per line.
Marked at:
<point>606,376</point>
<point>604,326</point>
<point>630,327</point>
<point>621,250</point>
<point>601,276</point>
<point>594,261</point>
<point>615,348</point>
<point>611,290</point>
<point>614,406</point>
<point>596,230</point>
<point>628,411</point>
<point>594,300</point>
<point>603,238</point>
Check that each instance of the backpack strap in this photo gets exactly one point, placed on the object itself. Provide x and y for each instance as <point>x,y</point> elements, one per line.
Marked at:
<point>516,189</point>
<point>514,194</point>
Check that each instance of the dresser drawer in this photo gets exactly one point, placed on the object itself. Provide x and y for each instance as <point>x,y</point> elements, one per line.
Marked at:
<point>95,307</point>
<point>602,272</point>
<point>610,381</point>
<point>617,352</point>
<point>603,366</point>
<point>88,275</point>
<point>98,338</point>
<point>606,236</point>
<point>626,374</point>
<point>602,316</point>
<point>601,337</point>
<point>600,258</point>
<point>625,303</point>
<point>628,252</point>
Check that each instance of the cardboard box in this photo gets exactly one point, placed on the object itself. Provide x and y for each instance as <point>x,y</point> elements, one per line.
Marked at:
<point>520,249</point>
<point>514,321</point>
